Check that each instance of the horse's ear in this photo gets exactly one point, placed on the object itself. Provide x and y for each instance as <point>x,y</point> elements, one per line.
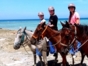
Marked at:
<point>24,29</point>
<point>43,24</point>
<point>76,24</point>
<point>67,23</point>
<point>62,24</point>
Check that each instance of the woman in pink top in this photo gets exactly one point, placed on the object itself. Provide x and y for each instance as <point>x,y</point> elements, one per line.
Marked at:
<point>74,17</point>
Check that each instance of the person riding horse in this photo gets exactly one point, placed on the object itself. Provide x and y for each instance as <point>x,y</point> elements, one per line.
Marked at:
<point>41,17</point>
<point>53,21</point>
<point>74,18</point>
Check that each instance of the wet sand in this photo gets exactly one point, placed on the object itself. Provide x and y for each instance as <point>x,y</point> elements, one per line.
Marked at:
<point>11,57</point>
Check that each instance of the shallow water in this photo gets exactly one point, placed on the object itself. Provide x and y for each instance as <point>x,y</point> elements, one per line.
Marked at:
<point>30,24</point>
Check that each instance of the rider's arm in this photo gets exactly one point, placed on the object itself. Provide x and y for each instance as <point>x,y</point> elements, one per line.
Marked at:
<point>77,21</point>
<point>77,18</point>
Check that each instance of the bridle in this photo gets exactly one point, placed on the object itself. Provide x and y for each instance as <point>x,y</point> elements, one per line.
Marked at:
<point>42,33</point>
<point>50,37</point>
<point>75,36</point>
<point>70,43</point>
<point>23,41</point>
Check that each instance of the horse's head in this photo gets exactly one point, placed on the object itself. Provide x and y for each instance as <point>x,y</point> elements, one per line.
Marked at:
<point>68,31</point>
<point>20,37</point>
<point>66,28</point>
<point>38,32</point>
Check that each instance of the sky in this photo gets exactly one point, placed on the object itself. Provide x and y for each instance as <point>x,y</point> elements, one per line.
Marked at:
<point>28,9</point>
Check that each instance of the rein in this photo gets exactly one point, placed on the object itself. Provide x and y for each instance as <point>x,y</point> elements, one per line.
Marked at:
<point>26,41</point>
<point>75,37</point>
<point>44,31</point>
<point>72,40</point>
<point>52,37</point>
<point>82,45</point>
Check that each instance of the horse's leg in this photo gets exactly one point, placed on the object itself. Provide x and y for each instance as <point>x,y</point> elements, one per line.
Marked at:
<point>72,60</point>
<point>56,56</point>
<point>41,60</point>
<point>34,54</point>
<point>44,54</point>
<point>83,55</point>
<point>64,62</point>
<point>55,61</point>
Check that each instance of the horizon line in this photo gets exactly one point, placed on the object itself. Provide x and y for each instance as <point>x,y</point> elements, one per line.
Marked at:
<point>37,19</point>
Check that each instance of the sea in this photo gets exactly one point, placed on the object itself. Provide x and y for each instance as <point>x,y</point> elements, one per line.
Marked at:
<point>31,24</point>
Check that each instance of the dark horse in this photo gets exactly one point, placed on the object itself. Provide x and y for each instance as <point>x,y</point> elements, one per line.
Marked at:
<point>43,30</point>
<point>80,33</point>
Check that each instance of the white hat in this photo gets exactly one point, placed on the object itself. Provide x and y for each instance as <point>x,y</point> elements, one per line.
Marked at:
<point>71,5</point>
<point>40,13</point>
<point>51,8</point>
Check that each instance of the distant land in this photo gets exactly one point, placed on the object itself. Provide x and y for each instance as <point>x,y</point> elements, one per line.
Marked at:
<point>35,19</point>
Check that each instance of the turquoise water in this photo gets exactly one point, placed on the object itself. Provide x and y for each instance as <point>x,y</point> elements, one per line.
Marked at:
<point>30,24</point>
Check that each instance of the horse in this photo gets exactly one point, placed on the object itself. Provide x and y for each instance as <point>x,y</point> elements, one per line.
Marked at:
<point>23,37</point>
<point>77,32</point>
<point>54,36</point>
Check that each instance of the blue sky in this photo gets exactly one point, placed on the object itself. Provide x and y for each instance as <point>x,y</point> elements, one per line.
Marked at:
<point>28,9</point>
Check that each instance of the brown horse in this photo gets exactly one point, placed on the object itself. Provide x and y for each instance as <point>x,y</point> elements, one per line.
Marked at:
<point>80,33</point>
<point>42,31</point>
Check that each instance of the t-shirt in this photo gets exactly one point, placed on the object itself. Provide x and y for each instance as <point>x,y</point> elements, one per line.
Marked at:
<point>53,20</point>
<point>74,18</point>
<point>42,21</point>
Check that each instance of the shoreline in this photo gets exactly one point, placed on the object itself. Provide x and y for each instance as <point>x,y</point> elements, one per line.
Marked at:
<point>36,19</point>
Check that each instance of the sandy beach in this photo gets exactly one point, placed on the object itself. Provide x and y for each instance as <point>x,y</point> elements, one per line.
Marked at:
<point>11,57</point>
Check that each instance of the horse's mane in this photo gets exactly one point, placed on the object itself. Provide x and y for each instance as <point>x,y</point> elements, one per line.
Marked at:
<point>83,29</point>
<point>28,31</point>
<point>56,31</point>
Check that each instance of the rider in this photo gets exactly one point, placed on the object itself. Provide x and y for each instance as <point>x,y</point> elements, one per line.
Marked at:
<point>53,20</point>
<point>42,20</point>
<point>41,16</point>
<point>74,18</point>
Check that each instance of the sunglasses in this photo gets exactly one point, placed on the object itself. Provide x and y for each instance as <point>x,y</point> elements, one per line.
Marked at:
<point>51,10</point>
<point>70,7</point>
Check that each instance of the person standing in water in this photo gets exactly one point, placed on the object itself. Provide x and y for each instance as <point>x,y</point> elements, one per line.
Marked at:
<point>74,17</point>
<point>53,20</point>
